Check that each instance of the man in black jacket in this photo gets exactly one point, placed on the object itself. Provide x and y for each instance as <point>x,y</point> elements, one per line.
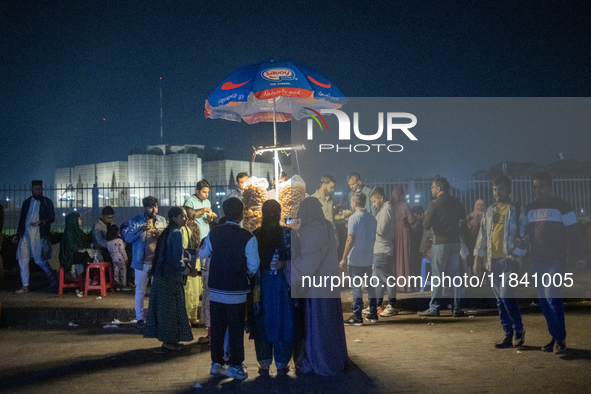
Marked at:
<point>32,236</point>
<point>446,216</point>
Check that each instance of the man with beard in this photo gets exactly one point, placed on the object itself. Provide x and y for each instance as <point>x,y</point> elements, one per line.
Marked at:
<point>32,236</point>
<point>354,182</point>
<point>324,195</point>
<point>142,233</point>
<point>383,251</point>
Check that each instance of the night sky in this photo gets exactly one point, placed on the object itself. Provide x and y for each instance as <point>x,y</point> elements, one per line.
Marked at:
<point>66,66</point>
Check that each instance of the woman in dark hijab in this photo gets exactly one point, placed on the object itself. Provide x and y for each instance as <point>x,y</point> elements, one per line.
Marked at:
<point>273,327</point>
<point>73,255</point>
<point>323,350</point>
<point>167,316</point>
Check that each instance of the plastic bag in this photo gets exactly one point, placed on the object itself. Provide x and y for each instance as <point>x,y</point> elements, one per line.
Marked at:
<point>253,197</point>
<point>291,193</point>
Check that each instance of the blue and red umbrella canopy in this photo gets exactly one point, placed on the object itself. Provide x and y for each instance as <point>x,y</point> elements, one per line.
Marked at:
<point>248,93</point>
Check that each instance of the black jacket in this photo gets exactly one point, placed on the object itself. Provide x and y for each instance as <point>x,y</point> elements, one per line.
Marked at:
<point>46,214</point>
<point>444,216</point>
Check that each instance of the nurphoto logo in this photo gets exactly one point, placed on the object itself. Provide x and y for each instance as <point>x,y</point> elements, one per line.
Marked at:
<point>392,126</point>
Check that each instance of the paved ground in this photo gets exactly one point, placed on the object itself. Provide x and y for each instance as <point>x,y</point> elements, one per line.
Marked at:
<point>400,354</point>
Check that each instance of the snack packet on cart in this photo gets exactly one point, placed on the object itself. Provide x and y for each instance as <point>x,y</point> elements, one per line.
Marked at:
<point>253,197</point>
<point>291,193</point>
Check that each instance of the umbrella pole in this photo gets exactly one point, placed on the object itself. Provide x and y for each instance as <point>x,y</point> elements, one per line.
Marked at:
<point>276,155</point>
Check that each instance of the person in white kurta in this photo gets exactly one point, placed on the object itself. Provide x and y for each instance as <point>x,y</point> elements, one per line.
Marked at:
<point>33,231</point>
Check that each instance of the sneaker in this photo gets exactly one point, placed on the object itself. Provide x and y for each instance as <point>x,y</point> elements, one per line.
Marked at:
<point>125,288</point>
<point>236,372</point>
<point>365,311</point>
<point>380,310</point>
<point>22,290</point>
<point>372,318</point>
<point>204,340</point>
<point>217,369</point>
<point>389,311</point>
<point>131,285</point>
<point>429,313</point>
<point>505,344</point>
<point>140,324</point>
<point>519,338</point>
<point>559,347</point>
<point>549,348</point>
<point>459,313</point>
<point>354,321</point>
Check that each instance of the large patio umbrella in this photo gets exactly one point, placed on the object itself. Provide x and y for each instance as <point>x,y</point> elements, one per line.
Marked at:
<point>272,92</point>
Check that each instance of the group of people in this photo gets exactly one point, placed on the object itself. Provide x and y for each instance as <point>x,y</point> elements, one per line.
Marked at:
<point>379,242</point>
<point>248,284</point>
<point>502,236</point>
<point>244,279</point>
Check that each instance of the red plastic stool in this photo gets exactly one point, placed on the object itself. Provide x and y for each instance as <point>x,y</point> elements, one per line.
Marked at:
<point>103,284</point>
<point>79,283</point>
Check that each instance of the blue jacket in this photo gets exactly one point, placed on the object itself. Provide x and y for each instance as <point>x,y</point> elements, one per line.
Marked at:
<point>137,237</point>
<point>169,261</point>
<point>46,214</point>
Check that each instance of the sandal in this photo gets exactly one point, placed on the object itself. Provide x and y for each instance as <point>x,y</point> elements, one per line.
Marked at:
<point>173,346</point>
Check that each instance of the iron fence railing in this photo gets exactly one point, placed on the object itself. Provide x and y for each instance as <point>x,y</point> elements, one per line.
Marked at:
<point>126,199</point>
<point>89,200</point>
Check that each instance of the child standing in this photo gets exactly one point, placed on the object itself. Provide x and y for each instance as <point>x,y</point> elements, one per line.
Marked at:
<point>116,248</point>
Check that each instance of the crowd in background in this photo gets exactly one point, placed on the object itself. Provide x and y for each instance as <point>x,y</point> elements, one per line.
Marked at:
<point>220,275</point>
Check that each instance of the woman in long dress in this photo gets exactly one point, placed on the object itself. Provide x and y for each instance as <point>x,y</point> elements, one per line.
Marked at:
<point>191,240</point>
<point>323,350</point>
<point>273,327</point>
<point>73,255</point>
<point>404,218</point>
<point>167,316</point>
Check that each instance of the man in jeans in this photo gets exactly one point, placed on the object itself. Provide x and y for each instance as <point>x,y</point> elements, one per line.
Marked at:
<point>499,239</point>
<point>358,257</point>
<point>142,233</point>
<point>553,234</point>
<point>383,251</point>
<point>446,216</point>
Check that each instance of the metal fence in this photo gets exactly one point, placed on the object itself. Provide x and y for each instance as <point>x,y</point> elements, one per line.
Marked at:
<point>576,190</point>
<point>89,200</point>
